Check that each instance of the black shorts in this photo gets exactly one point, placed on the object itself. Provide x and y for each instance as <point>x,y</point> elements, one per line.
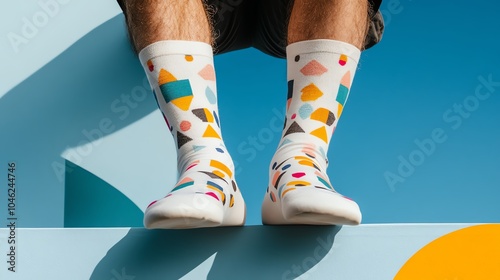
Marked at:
<point>240,24</point>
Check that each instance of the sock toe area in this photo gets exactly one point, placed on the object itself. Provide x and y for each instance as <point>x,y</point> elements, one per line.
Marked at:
<point>184,211</point>
<point>320,207</point>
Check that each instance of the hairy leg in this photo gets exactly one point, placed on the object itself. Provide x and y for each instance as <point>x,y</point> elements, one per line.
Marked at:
<point>150,21</point>
<point>342,20</point>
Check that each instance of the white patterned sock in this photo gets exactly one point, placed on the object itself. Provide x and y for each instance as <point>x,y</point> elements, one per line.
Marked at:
<point>320,73</point>
<point>182,76</point>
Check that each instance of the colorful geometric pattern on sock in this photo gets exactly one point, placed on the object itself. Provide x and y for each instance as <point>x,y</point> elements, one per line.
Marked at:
<point>313,112</point>
<point>300,171</point>
<point>311,104</point>
<point>320,74</point>
<point>185,91</point>
<point>178,97</point>
<point>218,183</point>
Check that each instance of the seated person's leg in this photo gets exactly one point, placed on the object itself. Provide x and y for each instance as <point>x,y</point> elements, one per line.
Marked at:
<point>272,22</point>
<point>174,39</point>
<point>324,42</point>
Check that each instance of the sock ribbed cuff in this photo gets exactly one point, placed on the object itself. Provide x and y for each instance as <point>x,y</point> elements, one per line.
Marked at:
<point>323,45</point>
<point>174,47</point>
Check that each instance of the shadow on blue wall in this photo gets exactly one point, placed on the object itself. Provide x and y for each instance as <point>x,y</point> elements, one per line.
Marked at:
<point>252,252</point>
<point>94,88</point>
<point>64,102</point>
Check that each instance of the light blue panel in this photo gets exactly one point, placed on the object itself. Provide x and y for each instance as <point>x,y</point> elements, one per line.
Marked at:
<point>35,32</point>
<point>252,252</point>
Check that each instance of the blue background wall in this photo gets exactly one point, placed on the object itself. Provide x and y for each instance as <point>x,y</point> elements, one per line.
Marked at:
<point>434,58</point>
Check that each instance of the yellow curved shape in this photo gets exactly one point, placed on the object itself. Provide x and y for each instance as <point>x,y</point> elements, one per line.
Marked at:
<point>469,253</point>
<point>298,182</point>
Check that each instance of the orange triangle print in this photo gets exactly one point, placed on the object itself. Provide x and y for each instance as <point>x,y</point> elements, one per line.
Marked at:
<point>320,133</point>
<point>339,112</point>
<point>210,132</point>
<point>183,103</point>
<point>210,117</point>
<point>165,77</point>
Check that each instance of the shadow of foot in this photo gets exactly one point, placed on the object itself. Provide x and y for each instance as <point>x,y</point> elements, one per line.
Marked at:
<point>254,252</point>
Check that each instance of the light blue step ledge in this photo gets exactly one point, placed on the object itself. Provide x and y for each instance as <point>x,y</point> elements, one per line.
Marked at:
<point>253,252</point>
